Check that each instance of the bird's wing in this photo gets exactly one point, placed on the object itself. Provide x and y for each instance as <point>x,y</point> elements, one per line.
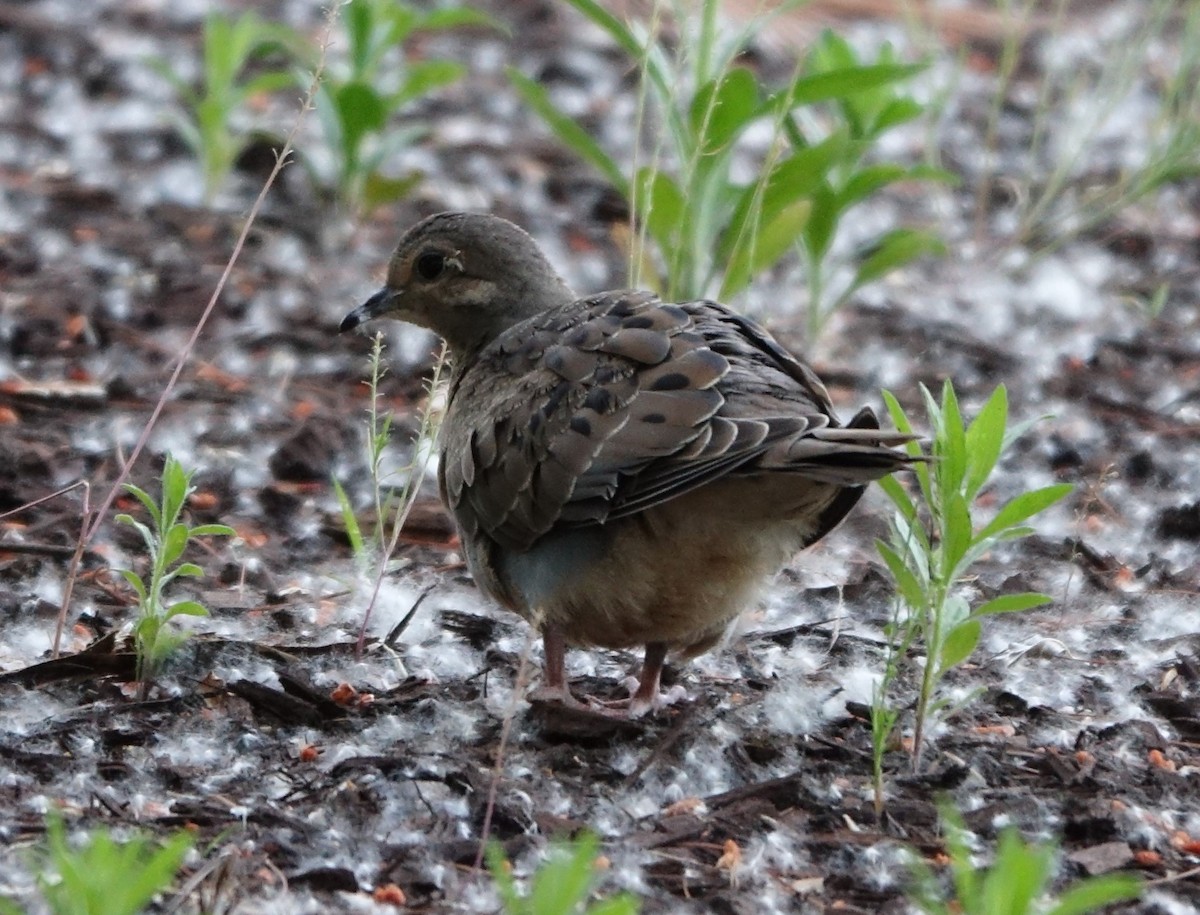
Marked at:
<point>618,402</point>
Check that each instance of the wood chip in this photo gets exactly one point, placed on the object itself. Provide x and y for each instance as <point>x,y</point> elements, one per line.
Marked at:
<point>1103,858</point>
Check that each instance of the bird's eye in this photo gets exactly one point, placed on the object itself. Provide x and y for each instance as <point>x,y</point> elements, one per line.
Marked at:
<point>430,265</point>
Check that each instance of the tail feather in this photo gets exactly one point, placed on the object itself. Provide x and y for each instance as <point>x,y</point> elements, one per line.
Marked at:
<point>853,455</point>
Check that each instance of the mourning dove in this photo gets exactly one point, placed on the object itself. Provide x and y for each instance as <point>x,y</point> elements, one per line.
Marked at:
<point>623,471</point>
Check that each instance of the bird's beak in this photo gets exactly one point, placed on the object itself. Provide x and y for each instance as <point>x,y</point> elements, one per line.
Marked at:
<point>379,304</point>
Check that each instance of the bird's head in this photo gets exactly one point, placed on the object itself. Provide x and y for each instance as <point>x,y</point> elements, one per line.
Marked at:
<point>467,277</point>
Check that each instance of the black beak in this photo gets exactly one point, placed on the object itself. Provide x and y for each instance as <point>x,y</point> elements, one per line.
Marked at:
<point>379,303</point>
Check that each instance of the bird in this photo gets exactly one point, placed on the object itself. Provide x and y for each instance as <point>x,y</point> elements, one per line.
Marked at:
<point>623,472</point>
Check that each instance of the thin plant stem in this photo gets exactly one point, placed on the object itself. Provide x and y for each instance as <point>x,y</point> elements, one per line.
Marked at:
<point>510,715</point>
<point>282,158</point>
<point>1009,56</point>
<point>416,476</point>
<point>60,621</point>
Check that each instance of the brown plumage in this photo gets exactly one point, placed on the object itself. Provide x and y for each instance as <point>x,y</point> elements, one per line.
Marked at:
<point>622,471</point>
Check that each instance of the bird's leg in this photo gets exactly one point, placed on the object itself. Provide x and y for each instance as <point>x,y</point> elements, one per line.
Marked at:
<point>646,695</point>
<point>553,687</point>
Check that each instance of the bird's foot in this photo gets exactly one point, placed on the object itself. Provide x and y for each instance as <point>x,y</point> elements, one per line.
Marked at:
<point>555,694</point>
<point>640,704</point>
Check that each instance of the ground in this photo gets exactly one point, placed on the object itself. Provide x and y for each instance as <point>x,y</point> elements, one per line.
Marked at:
<point>1079,721</point>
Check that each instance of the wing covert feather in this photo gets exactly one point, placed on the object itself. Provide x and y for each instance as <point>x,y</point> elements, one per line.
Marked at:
<point>609,405</point>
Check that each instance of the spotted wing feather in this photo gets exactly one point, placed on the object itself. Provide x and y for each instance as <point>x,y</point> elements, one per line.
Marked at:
<point>610,405</point>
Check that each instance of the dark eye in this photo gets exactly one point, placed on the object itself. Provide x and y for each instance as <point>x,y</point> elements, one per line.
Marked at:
<point>430,265</point>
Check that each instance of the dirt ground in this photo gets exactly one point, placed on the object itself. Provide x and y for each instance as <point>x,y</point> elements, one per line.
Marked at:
<point>1080,721</point>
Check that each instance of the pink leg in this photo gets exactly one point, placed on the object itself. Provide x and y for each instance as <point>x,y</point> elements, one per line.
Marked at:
<point>646,695</point>
<point>554,677</point>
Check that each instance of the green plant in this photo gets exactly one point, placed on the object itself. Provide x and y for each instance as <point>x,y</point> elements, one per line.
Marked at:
<point>1016,883</point>
<point>391,505</point>
<point>1150,307</point>
<point>379,433</point>
<point>356,101</point>
<point>166,538</point>
<point>714,234</point>
<point>934,540</point>
<point>561,885</point>
<point>388,503</point>
<point>207,123</point>
<point>102,876</point>
<point>1076,190</point>
<point>864,111</point>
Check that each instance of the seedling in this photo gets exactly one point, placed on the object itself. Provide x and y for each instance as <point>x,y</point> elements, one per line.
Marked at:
<point>103,876</point>
<point>166,539</point>
<point>561,885</point>
<point>207,124</point>
<point>391,504</point>
<point>1017,882</point>
<point>712,234</point>
<point>1078,186</point>
<point>357,102</point>
<point>935,539</point>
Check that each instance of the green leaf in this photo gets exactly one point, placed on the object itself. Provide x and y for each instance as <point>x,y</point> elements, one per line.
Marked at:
<point>213,530</point>
<point>958,645</point>
<point>135,582</point>
<point>910,538</point>
<point>187,570</point>
<point>1094,893</point>
<point>895,112</point>
<point>423,78</point>
<point>147,627</point>
<point>353,531</point>
<point>380,189</point>
<point>563,880</point>
<point>867,180</point>
<point>460,17</point>
<point>895,249</point>
<point>267,82</point>
<point>984,441</point>
<point>103,876</point>
<point>950,446</point>
<point>933,410</point>
<point>722,109</point>
<point>148,537</point>
<point>361,111</point>
<point>896,412</point>
<point>956,535</point>
<point>967,878</point>
<point>358,19</point>
<point>186,608</point>
<point>786,183</point>
<point>174,543</point>
<point>768,244</point>
<point>844,82</point>
<point>1011,603</point>
<point>898,495</point>
<point>1017,877</point>
<point>831,52</point>
<point>150,505</point>
<point>1016,430</point>
<point>567,130</point>
<point>909,587</point>
<point>822,225</point>
<point>1024,506</point>
<point>623,904</point>
<point>176,485</point>
<point>219,53</point>
<point>616,29</point>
